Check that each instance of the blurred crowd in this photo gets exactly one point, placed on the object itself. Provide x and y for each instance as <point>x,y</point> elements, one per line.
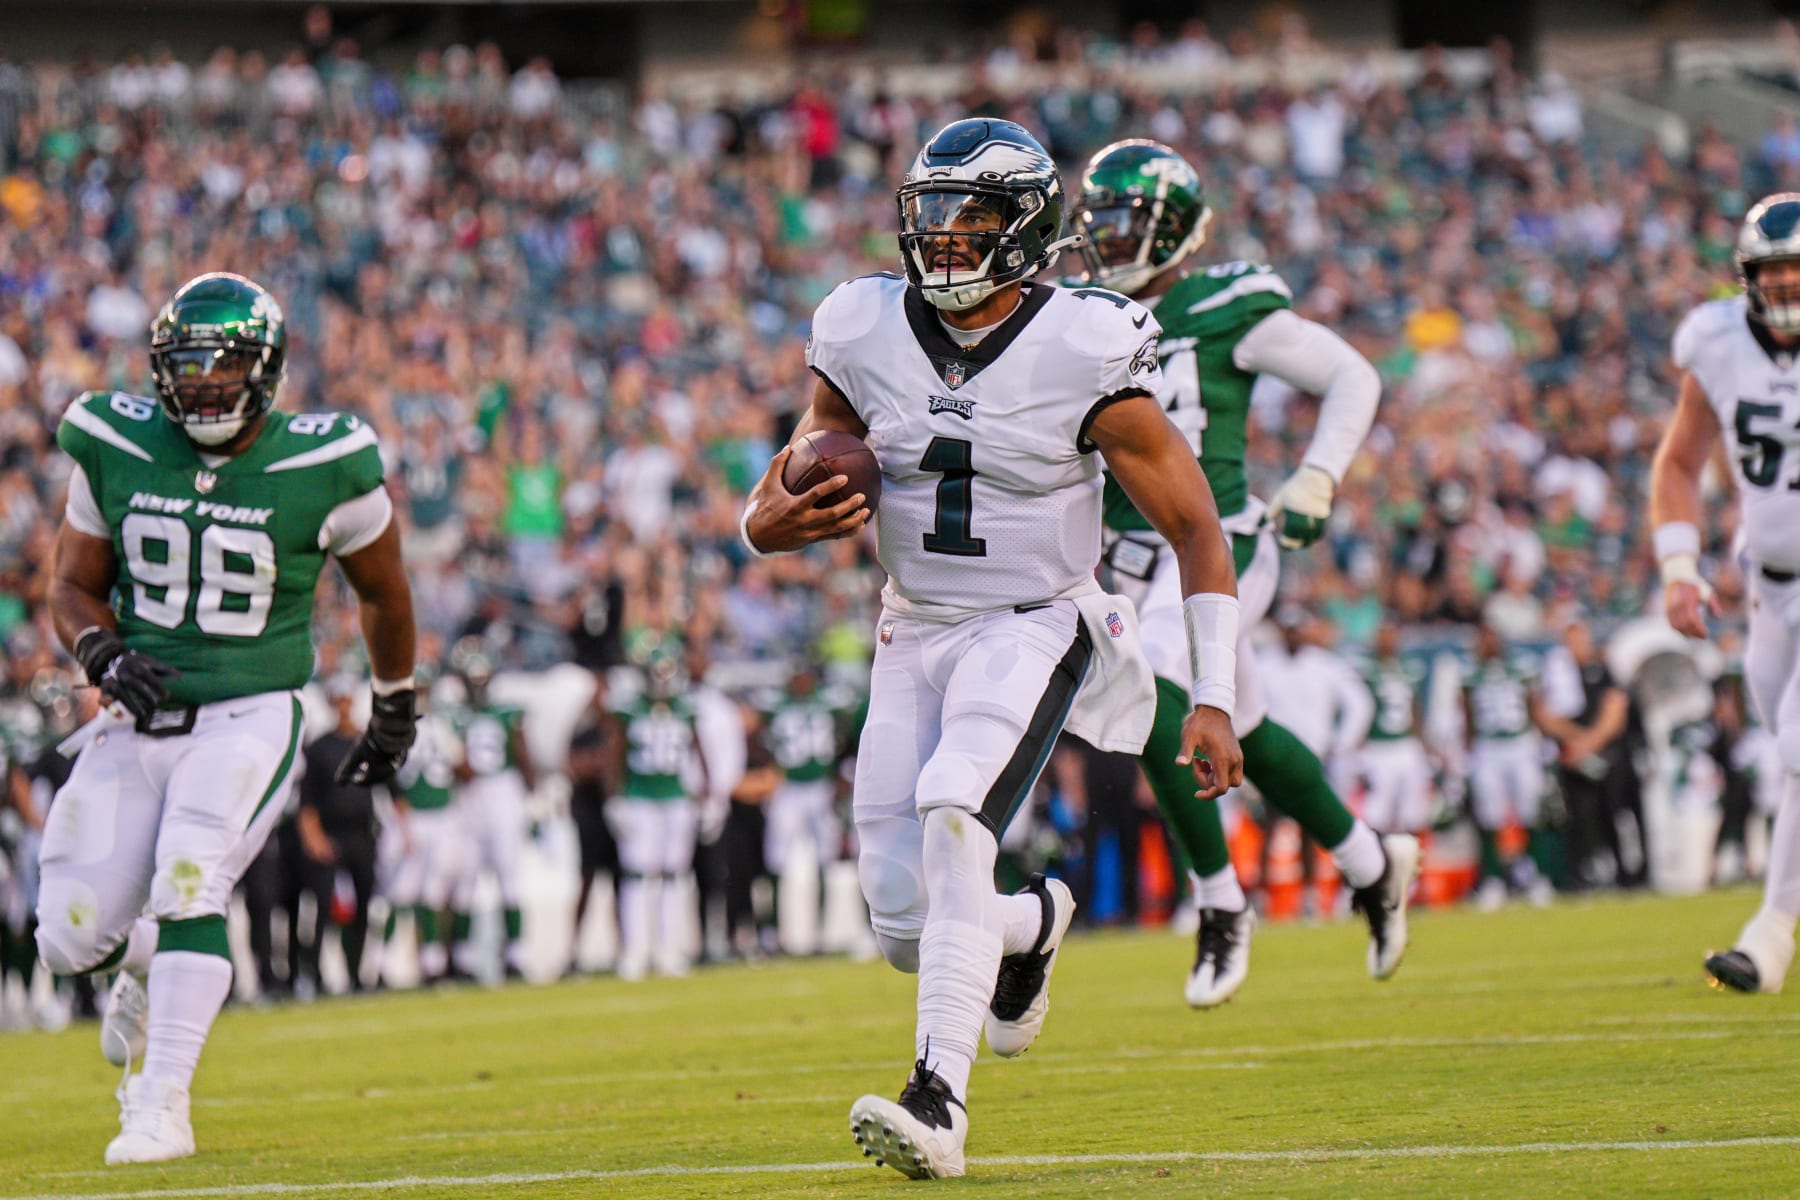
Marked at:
<point>576,316</point>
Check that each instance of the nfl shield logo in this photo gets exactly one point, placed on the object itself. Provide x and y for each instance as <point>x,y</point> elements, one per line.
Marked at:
<point>887,633</point>
<point>205,481</point>
<point>953,375</point>
<point>1115,626</point>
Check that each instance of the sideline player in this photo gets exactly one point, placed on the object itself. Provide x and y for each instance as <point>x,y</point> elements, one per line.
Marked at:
<point>209,516</point>
<point>984,394</point>
<point>1737,359</point>
<point>1223,325</point>
<point>1395,768</point>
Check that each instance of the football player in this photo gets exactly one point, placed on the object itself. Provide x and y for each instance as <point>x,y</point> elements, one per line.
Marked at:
<point>196,527</point>
<point>654,819</point>
<point>431,836</point>
<point>1144,216</point>
<point>1395,769</point>
<point>1739,382</point>
<point>985,392</point>
<point>1506,765</point>
<point>802,724</point>
<point>494,778</point>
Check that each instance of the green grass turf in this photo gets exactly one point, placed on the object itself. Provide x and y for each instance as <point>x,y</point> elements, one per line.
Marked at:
<point>1585,1023</point>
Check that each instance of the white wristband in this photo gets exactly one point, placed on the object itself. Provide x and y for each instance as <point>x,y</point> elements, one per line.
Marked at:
<point>387,687</point>
<point>1676,538</point>
<point>744,531</point>
<point>1211,619</point>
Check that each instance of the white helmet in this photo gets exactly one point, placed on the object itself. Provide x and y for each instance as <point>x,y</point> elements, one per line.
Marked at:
<point>1771,232</point>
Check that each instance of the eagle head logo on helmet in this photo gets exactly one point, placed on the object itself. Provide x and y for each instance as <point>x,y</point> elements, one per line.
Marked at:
<point>981,207</point>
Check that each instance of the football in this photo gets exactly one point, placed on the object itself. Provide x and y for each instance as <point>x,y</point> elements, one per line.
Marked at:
<point>827,452</point>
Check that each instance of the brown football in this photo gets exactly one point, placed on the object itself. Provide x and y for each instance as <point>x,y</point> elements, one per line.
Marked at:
<point>826,452</point>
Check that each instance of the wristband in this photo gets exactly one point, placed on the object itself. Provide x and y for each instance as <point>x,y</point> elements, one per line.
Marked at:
<point>744,531</point>
<point>1683,568</point>
<point>1211,619</point>
<point>387,687</point>
<point>1673,538</point>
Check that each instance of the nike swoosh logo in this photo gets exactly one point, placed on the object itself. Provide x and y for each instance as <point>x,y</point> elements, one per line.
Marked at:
<point>246,712</point>
<point>1139,322</point>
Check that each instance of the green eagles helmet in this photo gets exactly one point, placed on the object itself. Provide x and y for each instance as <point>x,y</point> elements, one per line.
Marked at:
<point>217,352</point>
<point>1141,211</point>
<point>1771,232</point>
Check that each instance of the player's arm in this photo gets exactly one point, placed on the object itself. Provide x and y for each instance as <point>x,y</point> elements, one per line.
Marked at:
<point>1356,709</point>
<point>377,575</point>
<point>1675,507</point>
<point>1157,469</point>
<point>775,520</point>
<point>80,598</point>
<point>1310,357</point>
<point>521,753</point>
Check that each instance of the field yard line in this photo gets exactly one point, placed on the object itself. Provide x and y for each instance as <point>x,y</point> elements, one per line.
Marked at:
<point>1246,1056</point>
<point>673,1170</point>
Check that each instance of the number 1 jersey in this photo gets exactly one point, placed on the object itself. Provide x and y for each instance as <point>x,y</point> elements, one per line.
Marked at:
<point>218,561</point>
<point>991,492</point>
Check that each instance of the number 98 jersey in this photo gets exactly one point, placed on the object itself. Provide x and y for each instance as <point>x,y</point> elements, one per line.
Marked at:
<point>217,561</point>
<point>990,490</point>
<point>1754,388</point>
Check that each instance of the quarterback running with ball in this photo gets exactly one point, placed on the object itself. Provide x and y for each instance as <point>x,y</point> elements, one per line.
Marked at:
<point>196,527</point>
<point>1142,212</point>
<point>985,393</point>
<point>1740,363</point>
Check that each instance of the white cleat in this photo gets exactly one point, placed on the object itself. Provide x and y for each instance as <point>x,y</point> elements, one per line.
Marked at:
<point>1760,961</point>
<point>1221,955</point>
<point>124,1028</point>
<point>1383,904</point>
<point>1491,895</point>
<point>921,1136</point>
<point>153,1123</point>
<point>1021,1000</point>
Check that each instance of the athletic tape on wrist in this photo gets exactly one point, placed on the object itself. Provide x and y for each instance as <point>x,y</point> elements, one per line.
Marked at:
<point>1682,568</point>
<point>1211,619</point>
<point>1675,538</point>
<point>744,532</point>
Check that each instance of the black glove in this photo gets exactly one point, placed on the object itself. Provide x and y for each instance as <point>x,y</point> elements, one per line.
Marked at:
<point>133,679</point>
<point>378,754</point>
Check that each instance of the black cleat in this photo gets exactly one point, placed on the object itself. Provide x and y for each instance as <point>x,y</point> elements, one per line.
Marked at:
<point>1734,969</point>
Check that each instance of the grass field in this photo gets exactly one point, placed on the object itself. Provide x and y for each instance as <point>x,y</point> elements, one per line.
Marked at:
<point>1568,1052</point>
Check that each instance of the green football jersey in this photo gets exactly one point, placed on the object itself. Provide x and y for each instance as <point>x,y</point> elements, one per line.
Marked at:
<point>804,734</point>
<point>659,737</point>
<point>1395,685</point>
<point>1205,393</point>
<point>1500,698</point>
<point>217,564</point>
<point>426,779</point>
<point>487,735</point>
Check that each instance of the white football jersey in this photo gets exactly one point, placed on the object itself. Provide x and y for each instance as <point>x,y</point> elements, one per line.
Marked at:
<point>1754,387</point>
<point>990,491</point>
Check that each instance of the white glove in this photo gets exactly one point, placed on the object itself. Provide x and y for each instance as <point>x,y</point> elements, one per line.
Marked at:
<point>1301,508</point>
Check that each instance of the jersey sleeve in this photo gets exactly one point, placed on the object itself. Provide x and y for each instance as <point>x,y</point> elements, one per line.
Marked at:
<point>1686,341</point>
<point>1126,363</point>
<point>356,523</point>
<point>81,510</point>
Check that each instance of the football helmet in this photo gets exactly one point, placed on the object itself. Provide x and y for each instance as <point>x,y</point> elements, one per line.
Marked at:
<point>981,207</point>
<point>1771,232</point>
<point>1140,212</point>
<point>470,662</point>
<point>217,352</point>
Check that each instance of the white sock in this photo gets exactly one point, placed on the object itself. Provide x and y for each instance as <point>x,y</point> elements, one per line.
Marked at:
<point>187,989</point>
<point>634,919</point>
<point>1359,857</point>
<point>1781,883</point>
<point>140,947</point>
<point>1221,889</point>
<point>1021,919</point>
<point>959,953</point>
<point>433,959</point>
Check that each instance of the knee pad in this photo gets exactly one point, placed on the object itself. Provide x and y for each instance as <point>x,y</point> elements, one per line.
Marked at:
<point>68,932</point>
<point>895,892</point>
<point>901,953</point>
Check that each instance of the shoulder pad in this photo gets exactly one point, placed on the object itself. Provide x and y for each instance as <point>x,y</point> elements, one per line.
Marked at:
<point>116,420</point>
<point>854,307</point>
<point>339,442</point>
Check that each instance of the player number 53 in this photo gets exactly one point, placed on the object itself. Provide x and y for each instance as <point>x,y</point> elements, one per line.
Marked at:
<point>236,577</point>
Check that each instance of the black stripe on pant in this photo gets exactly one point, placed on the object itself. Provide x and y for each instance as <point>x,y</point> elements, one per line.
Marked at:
<point>1028,759</point>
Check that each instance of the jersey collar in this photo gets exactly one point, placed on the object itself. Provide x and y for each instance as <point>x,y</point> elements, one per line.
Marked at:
<point>942,349</point>
<point>1781,356</point>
